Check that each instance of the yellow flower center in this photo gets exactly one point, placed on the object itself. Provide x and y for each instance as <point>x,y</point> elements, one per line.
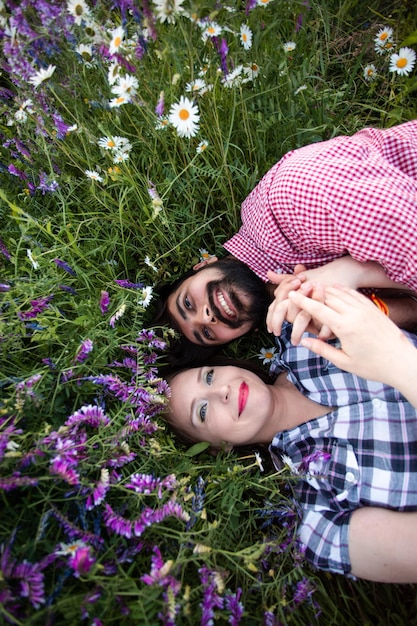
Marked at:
<point>268,355</point>
<point>383,36</point>
<point>244,37</point>
<point>78,9</point>
<point>370,71</point>
<point>117,41</point>
<point>211,30</point>
<point>401,63</point>
<point>184,114</point>
<point>111,143</point>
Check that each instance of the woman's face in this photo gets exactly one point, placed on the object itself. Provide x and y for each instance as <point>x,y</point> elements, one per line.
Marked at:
<point>221,405</point>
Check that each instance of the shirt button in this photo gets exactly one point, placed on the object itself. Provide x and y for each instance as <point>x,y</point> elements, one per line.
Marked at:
<point>350,477</point>
<point>377,403</point>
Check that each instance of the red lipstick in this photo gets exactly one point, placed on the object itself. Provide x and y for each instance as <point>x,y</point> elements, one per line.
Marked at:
<point>243,396</point>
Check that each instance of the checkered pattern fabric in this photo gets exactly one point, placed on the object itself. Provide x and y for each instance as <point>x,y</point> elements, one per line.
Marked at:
<point>362,453</point>
<point>349,195</point>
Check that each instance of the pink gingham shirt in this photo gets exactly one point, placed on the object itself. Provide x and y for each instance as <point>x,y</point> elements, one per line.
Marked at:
<point>350,195</point>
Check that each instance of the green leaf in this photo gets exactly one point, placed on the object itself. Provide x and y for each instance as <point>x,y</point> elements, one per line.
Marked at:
<point>197,448</point>
<point>410,40</point>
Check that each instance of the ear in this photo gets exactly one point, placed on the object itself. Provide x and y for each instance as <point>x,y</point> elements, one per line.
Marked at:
<point>201,264</point>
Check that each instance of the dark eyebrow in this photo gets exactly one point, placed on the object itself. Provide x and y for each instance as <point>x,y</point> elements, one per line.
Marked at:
<point>183,314</point>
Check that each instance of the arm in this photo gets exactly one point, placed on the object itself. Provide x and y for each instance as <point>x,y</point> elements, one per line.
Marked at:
<point>383,545</point>
<point>372,346</point>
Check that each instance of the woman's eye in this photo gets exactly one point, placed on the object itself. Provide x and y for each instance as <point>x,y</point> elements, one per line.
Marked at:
<point>207,333</point>
<point>202,412</point>
<point>209,377</point>
<point>187,303</point>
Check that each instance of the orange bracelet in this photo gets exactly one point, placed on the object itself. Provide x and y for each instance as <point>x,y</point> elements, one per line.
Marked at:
<point>380,304</point>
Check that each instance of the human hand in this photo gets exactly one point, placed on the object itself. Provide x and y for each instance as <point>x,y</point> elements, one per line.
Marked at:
<point>372,346</point>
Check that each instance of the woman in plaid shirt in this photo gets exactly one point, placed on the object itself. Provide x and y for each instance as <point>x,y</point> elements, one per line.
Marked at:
<point>350,443</point>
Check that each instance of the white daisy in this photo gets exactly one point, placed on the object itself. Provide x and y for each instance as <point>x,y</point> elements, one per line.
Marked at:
<point>35,264</point>
<point>42,75</point>
<point>70,548</point>
<point>93,175</point>
<point>246,37</point>
<point>113,73</point>
<point>185,117</point>
<point>149,263</point>
<point>167,10</point>
<point>267,354</point>
<point>383,35</point>
<point>162,123</point>
<point>290,463</point>
<point>258,460</point>
<point>78,9</point>
<point>233,78</point>
<point>211,30</point>
<point>403,62</point>
<point>251,71</point>
<point>370,72</point>
<point>110,143</point>
<point>117,102</point>
<point>263,3</point>
<point>125,86</point>
<point>289,46</point>
<point>120,156</point>
<point>146,296</point>
<point>202,146</point>
<point>116,39</point>
<point>197,86</point>
<point>21,114</point>
<point>86,53</point>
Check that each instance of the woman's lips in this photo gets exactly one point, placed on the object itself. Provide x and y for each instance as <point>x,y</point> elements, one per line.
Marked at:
<point>243,397</point>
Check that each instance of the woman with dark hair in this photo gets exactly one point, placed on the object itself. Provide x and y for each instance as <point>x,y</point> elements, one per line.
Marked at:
<point>350,443</point>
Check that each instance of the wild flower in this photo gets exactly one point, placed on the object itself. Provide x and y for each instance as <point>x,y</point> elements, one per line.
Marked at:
<point>210,30</point>
<point>233,78</point>
<point>125,86</point>
<point>65,266</point>
<point>128,284</point>
<point>94,175</point>
<point>79,10</point>
<point>104,302</point>
<point>83,351</point>
<point>198,86</point>
<point>149,263</point>
<point>234,605</point>
<point>184,116</point>
<point>116,39</point>
<point>383,37</point>
<point>211,599</point>
<point>160,105</point>
<point>34,263</point>
<point>41,76</point>
<point>289,46</point>
<point>37,307</point>
<point>146,296</point>
<point>246,37</point>
<point>402,62</point>
<point>267,354</point>
<point>168,10</point>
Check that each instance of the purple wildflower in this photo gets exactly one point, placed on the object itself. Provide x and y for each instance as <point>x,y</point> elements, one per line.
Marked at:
<point>211,598</point>
<point>223,49</point>
<point>9,483</point>
<point>46,185</point>
<point>304,589</point>
<point>60,125</point>
<point>127,284</point>
<point>317,456</point>
<point>99,491</point>
<point>92,415</point>
<point>146,483</point>
<point>81,561</point>
<point>64,266</point>
<point>250,5</point>
<point>84,350</point>
<point>25,579</point>
<point>38,306</point>
<point>16,172</point>
<point>68,289</point>
<point>4,250</point>
<point>104,302</point>
<point>160,106</point>
<point>233,604</point>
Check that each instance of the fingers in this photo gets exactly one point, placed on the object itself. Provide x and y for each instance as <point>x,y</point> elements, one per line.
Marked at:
<point>325,350</point>
<point>276,316</point>
<point>315,309</point>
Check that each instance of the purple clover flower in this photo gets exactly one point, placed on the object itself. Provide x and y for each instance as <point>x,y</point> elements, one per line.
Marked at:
<point>81,561</point>
<point>84,350</point>
<point>4,250</point>
<point>38,306</point>
<point>234,605</point>
<point>127,284</point>
<point>160,106</point>
<point>90,415</point>
<point>104,302</point>
<point>64,266</point>
<point>146,483</point>
<point>211,599</point>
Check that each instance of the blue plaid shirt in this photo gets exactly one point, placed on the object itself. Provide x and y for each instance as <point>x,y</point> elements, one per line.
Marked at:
<point>362,453</point>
